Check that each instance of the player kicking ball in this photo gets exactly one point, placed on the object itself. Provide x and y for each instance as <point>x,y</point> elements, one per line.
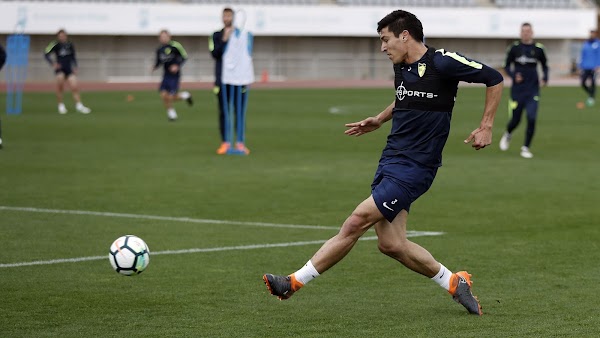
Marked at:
<point>172,56</point>
<point>426,83</point>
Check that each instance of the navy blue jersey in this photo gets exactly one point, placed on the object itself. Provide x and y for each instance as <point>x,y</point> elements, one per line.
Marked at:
<point>216,46</point>
<point>64,54</point>
<point>2,56</point>
<point>170,54</point>
<point>523,58</point>
<point>425,95</point>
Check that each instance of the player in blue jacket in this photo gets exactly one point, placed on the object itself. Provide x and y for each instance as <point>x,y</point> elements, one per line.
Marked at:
<point>2,61</point>
<point>590,60</point>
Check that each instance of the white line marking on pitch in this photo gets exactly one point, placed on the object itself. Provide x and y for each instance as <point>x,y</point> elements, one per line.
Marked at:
<point>196,250</point>
<point>165,218</point>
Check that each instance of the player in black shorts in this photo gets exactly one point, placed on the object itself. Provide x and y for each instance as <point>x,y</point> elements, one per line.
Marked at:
<point>171,55</point>
<point>426,83</point>
<point>521,65</point>
<point>65,68</point>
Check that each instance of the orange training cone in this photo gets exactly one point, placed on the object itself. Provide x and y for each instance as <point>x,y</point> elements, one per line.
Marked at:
<point>264,76</point>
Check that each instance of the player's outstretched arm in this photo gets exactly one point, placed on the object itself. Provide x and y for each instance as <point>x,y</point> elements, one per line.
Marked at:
<point>482,136</point>
<point>370,123</point>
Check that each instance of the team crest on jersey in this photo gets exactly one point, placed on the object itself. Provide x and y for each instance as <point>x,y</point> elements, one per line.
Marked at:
<point>421,69</point>
<point>168,50</point>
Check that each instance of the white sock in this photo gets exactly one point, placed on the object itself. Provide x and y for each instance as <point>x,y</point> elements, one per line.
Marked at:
<point>184,95</point>
<point>61,105</point>
<point>443,277</point>
<point>306,273</point>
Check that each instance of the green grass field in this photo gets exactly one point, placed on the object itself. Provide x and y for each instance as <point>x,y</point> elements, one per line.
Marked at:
<point>526,229</point>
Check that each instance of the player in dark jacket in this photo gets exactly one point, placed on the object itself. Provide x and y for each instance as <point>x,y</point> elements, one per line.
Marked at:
<point>521,64</point>
<point>64,64</point>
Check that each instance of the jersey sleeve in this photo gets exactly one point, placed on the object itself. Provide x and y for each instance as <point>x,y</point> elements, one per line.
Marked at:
<point>543,60</point>
<point>73,56</point>
<point>48,51</point>
<point>216,45</point>
<point>157,60</point>
<point>597,60</point>
<point>460,68</point>
<point>180,50</point>
<point>250,43</point>
<point>509,60</point>
<point>2,56</point>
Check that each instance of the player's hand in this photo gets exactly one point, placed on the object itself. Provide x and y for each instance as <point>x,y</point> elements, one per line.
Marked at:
<point>56,66</point>
<point>362,127</point>
<point>74,71</point>
<point>544,83</point>
<point>518,78</point>
<point>480,137</point>
<point>174,69</point>
<point>226,33</point>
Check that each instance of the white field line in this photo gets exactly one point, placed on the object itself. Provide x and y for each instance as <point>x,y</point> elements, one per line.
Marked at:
<point>196,250</point>
<point>165,218</point>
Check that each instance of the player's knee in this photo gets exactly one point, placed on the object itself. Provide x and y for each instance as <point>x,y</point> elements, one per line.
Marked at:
<point>356,224</point>
<point>391,248</point>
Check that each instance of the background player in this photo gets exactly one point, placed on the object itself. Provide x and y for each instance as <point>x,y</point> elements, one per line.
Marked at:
<point>65,67</point>
<point>426,82</point>
<point>216,44</point>
<point>172,56</point>
<point>525,91</point>
<point>2,61</point>
<point>590,60</point>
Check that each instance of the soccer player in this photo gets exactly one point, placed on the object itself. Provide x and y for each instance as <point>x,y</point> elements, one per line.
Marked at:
<point>525,91</point>
<point>216,44</point>
<point>426,82</point>
<point>590,60</point>
<point>172,56</point>
<point>65,68</point>
<point>2,61</point>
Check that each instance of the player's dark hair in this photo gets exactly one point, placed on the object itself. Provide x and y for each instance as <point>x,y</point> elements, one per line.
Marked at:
<point>227,9</point>
<point>526,24</point>
<point>164,31</point>
<point>61,31</point>
<point>399,21</point>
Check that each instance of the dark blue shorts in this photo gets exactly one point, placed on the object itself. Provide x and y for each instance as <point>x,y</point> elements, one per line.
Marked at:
<point>65,70</point>
<point>170,84</point>
<point>398,182</point>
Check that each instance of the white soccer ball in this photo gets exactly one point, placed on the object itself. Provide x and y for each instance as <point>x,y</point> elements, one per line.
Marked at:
<point>129,255</point>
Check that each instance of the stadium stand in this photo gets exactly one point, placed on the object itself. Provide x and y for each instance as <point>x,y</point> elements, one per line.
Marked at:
<point>557,4</point>
<point>409,3</point>
<point>254,2</point>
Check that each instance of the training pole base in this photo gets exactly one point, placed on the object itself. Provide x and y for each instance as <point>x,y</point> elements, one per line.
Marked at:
<point>235,152</point>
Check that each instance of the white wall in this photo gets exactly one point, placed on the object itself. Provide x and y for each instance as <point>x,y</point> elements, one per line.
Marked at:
<point>193,20</point>
<point>116,42</point>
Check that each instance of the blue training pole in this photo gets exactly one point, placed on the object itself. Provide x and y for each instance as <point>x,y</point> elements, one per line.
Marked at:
<point>244,108</point>
<point>227,128</point>
<point>239,113</point>
<point>17,50</point>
